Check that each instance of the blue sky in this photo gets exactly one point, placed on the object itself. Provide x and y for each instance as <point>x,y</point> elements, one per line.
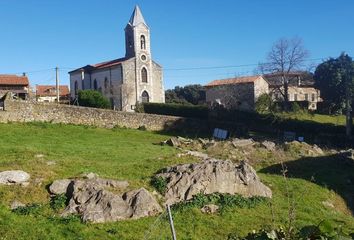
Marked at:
<point>41,34</point>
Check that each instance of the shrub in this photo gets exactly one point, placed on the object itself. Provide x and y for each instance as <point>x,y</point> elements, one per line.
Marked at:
<point>32,209</point>
<point>92,98</point>
<point>264,104</point>
<point>160,184</point>
<point>295,107</point>
<point>58,202</point>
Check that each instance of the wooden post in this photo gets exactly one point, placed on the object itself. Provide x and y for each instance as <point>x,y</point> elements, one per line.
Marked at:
<point>171,222</point>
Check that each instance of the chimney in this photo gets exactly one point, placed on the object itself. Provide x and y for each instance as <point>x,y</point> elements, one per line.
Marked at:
<point>298,81</point>
<point>24,74</point>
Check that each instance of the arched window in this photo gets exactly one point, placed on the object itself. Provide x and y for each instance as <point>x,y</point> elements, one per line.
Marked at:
<point>76,86</point>
<point>142,42</point>
<point>145,97</point>
<point>144,75</point>
<point>105,83</point>
<point>95,84</point>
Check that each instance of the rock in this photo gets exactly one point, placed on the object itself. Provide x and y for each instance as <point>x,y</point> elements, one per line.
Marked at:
<point>173,142</point>
<point>50,163</point>
<point>328,204</point>
<point>14,177</point>
<point>60,186</point>
<point>198,154</point>
<point>269,145</point>
<point>90,175</point>
<point>16,204</point>
<point>317,150</point>
<point>242,142</point>
<point>210,209</point>
<point>111,183</point>
<point>212,176</point>
<point>96,204</point>
<point>142,203</point>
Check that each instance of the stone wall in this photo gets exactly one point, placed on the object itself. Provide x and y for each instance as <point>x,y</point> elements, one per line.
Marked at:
<point>24,111</point>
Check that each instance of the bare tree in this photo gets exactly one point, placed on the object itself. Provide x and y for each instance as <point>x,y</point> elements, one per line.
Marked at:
<point>286,56</point>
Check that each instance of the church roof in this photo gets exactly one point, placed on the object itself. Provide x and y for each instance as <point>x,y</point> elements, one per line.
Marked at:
<point>137,17</point>
<point>232,81</point>
<point>101,65</point>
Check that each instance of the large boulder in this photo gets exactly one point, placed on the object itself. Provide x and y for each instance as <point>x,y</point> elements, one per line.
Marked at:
<point>95,204</point>
<point>212,176</point>
<point>14,177</point>
<point>92,199</point>
<point>240,143</point>
<point>142,203</point>
<point>59,186</point>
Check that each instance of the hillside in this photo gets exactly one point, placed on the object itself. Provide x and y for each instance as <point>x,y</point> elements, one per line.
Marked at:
<point>317,184</point>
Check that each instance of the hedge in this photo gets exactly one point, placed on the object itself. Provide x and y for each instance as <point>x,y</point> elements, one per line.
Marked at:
<point>181,110</point>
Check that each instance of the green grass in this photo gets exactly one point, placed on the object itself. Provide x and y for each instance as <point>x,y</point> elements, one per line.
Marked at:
<point>134,156</point>
<point>320,118</point>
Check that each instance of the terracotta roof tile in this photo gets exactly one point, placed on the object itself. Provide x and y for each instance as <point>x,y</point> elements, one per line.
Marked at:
<point>13,80</point>
<point>49,90</point>
<point>230,81</point>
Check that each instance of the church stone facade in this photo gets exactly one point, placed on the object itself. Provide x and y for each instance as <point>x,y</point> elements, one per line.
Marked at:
<point>129,80</point>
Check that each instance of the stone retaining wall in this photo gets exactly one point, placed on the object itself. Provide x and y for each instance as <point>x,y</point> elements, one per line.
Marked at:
<point>24,111</point>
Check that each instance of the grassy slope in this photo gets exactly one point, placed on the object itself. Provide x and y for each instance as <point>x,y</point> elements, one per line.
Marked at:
<point>320,118</point>
<point>131,155</point>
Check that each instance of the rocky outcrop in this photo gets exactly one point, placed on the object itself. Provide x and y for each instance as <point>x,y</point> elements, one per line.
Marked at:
<point>94,201</point>
<point>212,176</point>
<point>243,142</point>
<point>14,177</point>
<point>142,203</point>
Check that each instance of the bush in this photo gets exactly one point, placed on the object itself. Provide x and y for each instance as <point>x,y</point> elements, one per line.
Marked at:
<point>160,184</point>
<point>191,111</point>
<point>264,104</point>
<point>295,107</point>
<point>92,98</point>
<point>32,209</point>
<point>58,202</point>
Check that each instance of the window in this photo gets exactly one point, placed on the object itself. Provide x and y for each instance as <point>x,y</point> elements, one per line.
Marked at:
<point>144,77</point>
<point>105,83</point>
<point>142,42</point>
<point>313,97</point>
<point>306,96</point>
<point>145,97</point>
<point>295,97</point>
<point>95,84</point>
<point>76,86</point>
<point>289,97</point>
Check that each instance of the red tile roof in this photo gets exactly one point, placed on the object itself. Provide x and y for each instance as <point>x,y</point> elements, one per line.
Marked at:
<point>49,90</point>
<point>230,81</point>
<point>13,80</point>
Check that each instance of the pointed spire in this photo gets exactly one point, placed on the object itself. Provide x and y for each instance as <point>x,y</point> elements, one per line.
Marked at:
<point>137,17</point>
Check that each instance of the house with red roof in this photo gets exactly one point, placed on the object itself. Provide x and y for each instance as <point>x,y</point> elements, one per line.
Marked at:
<point>236,93</point>
<point>125,81</point>
<point>17,85</point>
<point>48,93</point>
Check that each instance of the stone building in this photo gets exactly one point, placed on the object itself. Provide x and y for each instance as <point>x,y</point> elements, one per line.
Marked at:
<point>301,88</point>
<point>18,85</point>
<point>48,93</point>
<point>128,80</point>
<point>239,93</point>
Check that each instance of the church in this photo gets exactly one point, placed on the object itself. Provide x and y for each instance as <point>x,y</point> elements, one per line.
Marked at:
<point>135,78</point>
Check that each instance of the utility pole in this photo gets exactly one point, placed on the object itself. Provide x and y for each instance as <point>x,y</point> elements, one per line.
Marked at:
<point>171,222</point>
<point>57,82</point>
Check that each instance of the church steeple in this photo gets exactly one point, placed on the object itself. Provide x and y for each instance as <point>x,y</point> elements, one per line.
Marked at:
<point>137,17</point>
<point>137,36</point>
